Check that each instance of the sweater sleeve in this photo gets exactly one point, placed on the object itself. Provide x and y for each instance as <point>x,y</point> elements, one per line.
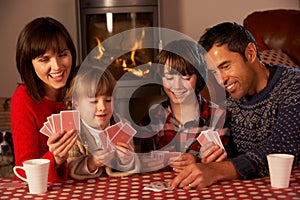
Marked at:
<point>29,143</point>
<point>77,162</point>
<point>56,175</point>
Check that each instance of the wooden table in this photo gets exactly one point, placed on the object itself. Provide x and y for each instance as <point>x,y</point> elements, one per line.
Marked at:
<point>132,188</point>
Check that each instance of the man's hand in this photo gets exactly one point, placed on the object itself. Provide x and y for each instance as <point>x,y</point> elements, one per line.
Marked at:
<point>200,175</point>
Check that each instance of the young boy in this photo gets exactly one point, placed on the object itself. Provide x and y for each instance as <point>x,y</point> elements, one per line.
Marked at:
<point>175,124</point>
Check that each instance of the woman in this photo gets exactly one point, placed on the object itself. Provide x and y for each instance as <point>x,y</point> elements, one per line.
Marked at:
<point>46,61</point>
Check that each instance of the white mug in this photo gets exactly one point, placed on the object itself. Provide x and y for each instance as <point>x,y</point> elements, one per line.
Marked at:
<point>36,171</point>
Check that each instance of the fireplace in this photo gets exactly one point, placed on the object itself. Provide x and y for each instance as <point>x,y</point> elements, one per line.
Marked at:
<point>102,19</point>
<point>118,33</point>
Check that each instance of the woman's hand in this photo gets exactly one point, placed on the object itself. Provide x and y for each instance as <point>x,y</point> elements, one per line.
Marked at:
<point>125,153</point>
<point>178,164</point>
<point>211,152</point>
<point>60,143</point>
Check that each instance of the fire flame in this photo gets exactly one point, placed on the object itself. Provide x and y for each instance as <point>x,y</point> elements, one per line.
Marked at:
<point>122,62</point>
<point>100,49</point>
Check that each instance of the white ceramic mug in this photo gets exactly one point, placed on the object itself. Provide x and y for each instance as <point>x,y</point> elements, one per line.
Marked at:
<point>36,171</point>
<point>280,167</point>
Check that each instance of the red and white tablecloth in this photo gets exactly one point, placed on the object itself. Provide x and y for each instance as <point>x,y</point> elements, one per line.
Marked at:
<point>132,188</point>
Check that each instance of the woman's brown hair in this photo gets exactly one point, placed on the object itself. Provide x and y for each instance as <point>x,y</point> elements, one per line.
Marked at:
<point>37,37</point>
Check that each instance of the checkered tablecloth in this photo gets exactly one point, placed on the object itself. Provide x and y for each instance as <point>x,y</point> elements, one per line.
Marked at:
<point>132,188</point>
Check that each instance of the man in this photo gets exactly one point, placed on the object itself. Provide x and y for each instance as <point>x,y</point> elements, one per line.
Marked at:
<point>263,108</point>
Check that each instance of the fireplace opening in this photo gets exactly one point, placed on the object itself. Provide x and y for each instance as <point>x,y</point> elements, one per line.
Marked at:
<point>102,19</point>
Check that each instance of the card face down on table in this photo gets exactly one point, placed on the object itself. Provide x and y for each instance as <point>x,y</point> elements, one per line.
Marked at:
<point>158,186</point>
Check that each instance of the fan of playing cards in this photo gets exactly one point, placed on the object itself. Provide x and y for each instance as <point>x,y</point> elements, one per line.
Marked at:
<point>65,120</point>
<point>119,132</point>
<point>210,136</point>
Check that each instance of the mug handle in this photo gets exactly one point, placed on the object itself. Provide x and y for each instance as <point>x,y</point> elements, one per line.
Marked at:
<point>17,174</point>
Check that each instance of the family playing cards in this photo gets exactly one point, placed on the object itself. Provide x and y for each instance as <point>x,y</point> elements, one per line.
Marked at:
<point>65,120</point>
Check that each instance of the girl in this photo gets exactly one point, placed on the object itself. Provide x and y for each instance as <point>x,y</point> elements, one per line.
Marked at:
<point>91,94</point>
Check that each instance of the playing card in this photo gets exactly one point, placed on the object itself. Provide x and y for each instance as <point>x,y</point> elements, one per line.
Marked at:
<point>159,155</point>
<point>45,131</point>
<point>125,134</point>
<point>56,122</point>
<point>105,141</point>
<point>70,119</point>
<point>202,138</point>
<point>158,186</point>
<point>49,125</point>
<point>164,156</point>
<point>217,139</point>
<point>112,130</point>
<point>210,136</point>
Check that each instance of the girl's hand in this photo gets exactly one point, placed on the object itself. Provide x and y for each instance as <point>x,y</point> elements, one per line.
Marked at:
<point>178,164</point>
<point>125,153</point>
<point>60,143</point>
<point>99,158</point>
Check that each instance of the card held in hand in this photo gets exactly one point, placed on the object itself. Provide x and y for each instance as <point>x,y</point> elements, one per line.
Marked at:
<point>210,136</point>
<point>49,124</point>
<point>56,123</point>
<point>125,134</point>
<point>70,119</point>
<point>202,139</point>
<point>45,131</point>
<point>112,130</point>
